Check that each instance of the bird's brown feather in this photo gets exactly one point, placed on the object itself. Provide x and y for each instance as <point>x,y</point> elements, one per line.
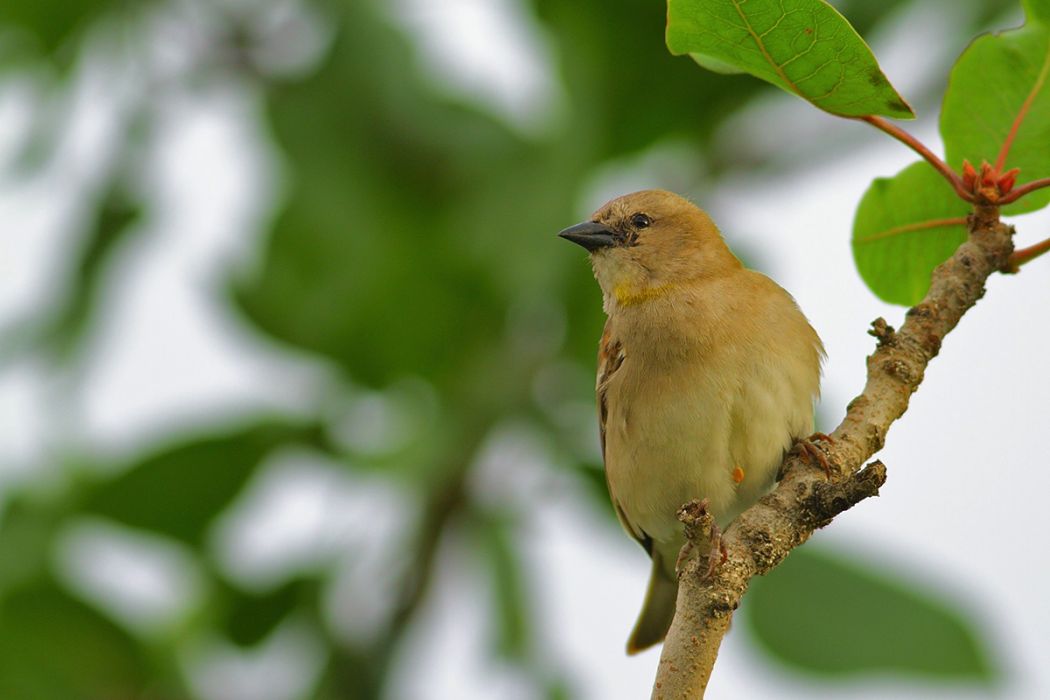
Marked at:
<point>610,359</point>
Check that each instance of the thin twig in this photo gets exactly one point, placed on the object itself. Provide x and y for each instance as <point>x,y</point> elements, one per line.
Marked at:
<point>1024,255</point>
<point>919,147</point>
<point>1015,194</point>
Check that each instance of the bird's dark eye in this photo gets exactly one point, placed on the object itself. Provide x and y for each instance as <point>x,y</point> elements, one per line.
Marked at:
<point>640,220</point>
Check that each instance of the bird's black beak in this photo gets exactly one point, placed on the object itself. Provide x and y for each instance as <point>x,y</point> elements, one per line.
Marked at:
<point>591,235</point>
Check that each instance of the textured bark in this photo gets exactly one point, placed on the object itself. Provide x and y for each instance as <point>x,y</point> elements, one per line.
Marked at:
<point>806,497</point>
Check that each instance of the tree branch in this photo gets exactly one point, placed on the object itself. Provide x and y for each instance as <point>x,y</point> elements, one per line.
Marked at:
<point>762,536</point>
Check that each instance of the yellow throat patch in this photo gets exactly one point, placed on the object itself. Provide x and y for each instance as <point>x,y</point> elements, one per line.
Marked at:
<point>628,294</point>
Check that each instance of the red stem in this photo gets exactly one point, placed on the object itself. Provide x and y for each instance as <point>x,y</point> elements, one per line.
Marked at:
<point>913,143</point>
<point>1015,194</point>
<point>1020,257</point>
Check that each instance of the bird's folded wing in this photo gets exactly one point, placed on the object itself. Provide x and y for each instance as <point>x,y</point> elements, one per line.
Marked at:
<point>610,359</point>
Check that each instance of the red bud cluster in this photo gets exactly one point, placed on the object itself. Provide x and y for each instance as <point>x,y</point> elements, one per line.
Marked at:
<point>988,184</point>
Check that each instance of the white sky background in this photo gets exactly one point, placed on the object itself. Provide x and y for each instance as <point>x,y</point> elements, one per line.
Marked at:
<point>963,510</point>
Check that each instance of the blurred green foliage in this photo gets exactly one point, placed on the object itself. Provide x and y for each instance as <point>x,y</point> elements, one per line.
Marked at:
<point>196,481</point>
<point>836,617</point>
<point>414,239</point>
<point>55,647</point>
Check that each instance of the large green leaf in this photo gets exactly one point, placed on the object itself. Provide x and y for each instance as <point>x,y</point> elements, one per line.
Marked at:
<point>180,490</point>
<point>997,106</point>
<point>825,615</point>
<point>905,226</point>
<point>803,46</point>
<point>54,647</point>
<point>1037,10</point>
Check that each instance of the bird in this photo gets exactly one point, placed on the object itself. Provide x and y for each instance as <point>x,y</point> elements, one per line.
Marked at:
<point>707,376</point>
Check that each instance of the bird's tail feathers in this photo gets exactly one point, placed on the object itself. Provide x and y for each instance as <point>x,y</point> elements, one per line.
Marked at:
<point>657,610</point>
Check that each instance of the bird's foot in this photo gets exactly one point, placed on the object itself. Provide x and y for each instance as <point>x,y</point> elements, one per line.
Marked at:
<point>808,451</point>
<point>683,555</point>
<point>717,555</point>
<point>700,525</point>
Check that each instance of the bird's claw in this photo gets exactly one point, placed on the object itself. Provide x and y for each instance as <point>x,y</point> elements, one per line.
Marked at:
<point>683,555</point>
<point>808,451</point>
<point>717,554</point>
<point>700,525</point>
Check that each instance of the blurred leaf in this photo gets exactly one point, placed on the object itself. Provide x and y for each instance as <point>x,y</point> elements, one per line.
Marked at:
<point>904,227</point>
<point>113,220</point>
<point>27,529</point>
<point>619,107</point>
<point>249,618</point>
<point>53,647</point>
<point>593,478</point>
<point>349,676</point>
<point>560,689</point>
<point>802,46</point>
<point>1037,10</point>
<point>513,633</point>
<point>180,490</point>
<point>824,615</point>
<point>52,25</point>
<point>365,242</point>
<point>997,106</point>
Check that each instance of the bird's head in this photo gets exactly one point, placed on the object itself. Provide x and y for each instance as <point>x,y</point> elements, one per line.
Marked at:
<point>646,244</point>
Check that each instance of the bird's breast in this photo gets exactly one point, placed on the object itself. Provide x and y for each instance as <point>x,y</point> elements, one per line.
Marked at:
<point>711,425</point>
<point>667,441</point>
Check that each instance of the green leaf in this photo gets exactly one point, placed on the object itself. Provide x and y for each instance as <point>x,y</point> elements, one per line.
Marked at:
<point>114,219</point>
<point>997,106</point>
<point>905,226</point>
<point>50,26</point>
<point>825,615</point>
<point>513,633</point>
<point>249,618</point>
<point>1037,10</point>
<point>27,528</point>
<point>803,46</point>
<point>54,647</point>
<point>371,237</point>
<point>713,64</point>
<point>180,490</point>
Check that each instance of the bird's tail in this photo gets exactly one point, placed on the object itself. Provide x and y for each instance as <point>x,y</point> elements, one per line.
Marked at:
<point>657,610</point>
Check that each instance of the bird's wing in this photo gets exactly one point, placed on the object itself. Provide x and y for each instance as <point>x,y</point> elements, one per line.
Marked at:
<point>610,359</point>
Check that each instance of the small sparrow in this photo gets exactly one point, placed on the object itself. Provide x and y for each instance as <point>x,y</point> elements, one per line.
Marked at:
<point>707,374</point>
